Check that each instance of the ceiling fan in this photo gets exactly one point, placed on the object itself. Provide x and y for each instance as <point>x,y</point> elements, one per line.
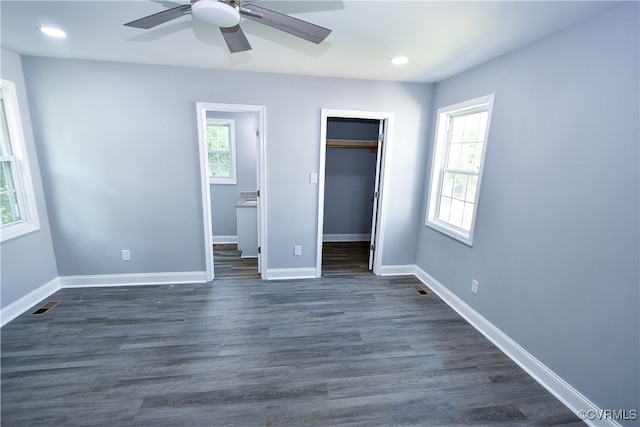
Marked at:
<point>225,14</point>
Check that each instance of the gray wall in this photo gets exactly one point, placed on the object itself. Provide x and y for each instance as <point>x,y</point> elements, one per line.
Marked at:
<point>120,163</point>
<point>349,185</point>
<point>225,196</point>
<point>556,247</point>
<point>348,128</point>
<point>349,178</point>
<point>28,261</point>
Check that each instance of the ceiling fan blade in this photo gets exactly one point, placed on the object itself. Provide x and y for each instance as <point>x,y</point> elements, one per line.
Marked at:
<point>235,39</point>
<point>297,27</point>
<point>160,17</point>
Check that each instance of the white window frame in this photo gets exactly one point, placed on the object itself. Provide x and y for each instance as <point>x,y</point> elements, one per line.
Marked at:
<point>21,175</point>
<point>440,154</point>
<point>231,179</point>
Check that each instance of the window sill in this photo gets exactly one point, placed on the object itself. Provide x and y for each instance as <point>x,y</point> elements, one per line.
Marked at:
<point>12,231</point>
<point>451,231</point>
<point>230,181</point>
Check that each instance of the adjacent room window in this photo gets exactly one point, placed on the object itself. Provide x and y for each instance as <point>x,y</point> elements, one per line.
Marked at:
<point>17,200</point>
<point>221,145</point>
<point>456,172</point>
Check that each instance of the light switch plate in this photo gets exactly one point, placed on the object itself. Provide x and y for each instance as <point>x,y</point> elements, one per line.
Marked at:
<point>474,286</point>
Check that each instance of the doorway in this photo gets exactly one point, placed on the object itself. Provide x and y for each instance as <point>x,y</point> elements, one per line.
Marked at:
<point>351,204</point>
<point>230,197</point>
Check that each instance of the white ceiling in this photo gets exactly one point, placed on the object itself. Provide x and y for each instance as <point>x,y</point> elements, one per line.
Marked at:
<point>441,38</point>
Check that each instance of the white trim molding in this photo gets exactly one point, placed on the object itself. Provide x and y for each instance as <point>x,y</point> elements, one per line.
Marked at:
<point>231,125</point>
<point>440,167</point>
<point>15,155</point>
<point>43,292</point>
<point>398,270</point>
<point>562,390</point>
<point>224,239</point>
<point>135,279</point>
<point>291,273</point>
<point>381,176</point>
<point>205,186</point>
<point>34,297</point>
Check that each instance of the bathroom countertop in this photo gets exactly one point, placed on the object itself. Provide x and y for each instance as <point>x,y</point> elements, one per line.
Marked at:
<point>247,199</point>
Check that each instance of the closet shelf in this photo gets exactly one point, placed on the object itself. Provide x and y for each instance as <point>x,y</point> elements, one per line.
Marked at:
<point>372,145</point>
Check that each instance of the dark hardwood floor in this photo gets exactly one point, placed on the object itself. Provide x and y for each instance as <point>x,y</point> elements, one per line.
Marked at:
<point>228,264</point>
<point>345,259</point>
<point>358,350</point>
<point>338,259</point>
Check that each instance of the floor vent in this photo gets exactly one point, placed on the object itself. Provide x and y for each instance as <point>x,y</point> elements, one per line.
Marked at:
<point>48,306</point>
<point>420,290</point>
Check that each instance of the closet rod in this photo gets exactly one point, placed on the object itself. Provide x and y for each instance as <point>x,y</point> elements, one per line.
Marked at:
<point>352,143</point>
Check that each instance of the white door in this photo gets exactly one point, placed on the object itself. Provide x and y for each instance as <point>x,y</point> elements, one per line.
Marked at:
<point>259,156</point>
<point>376,194</point>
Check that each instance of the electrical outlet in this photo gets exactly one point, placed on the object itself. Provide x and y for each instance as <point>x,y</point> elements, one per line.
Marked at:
<point>297,250</point>
<point>126,255</point>
<point>474,286</point>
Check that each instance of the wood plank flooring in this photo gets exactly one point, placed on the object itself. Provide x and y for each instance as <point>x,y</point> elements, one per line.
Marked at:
<point>334,351</point>
<point>338,259</point>
<point>345,259</point>
<point>228,264</point>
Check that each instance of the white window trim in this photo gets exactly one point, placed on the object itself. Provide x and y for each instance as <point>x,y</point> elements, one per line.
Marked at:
<point>232,146</point>
<point>440,145</point>
<point>23,181</point>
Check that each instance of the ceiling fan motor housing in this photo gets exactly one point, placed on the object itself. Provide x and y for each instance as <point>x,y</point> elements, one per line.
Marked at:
<point>217,13</point>
<point>225,14</point>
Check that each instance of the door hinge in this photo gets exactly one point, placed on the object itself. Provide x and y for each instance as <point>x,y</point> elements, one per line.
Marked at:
<point>259,250</point>
<point>257,132</point>
<point>376,194</point>
<point>373,247</point>
<point>381,137</point>
<point>258,193</point>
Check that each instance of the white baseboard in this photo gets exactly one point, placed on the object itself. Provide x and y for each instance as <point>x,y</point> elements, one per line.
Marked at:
<point>568,395</point>
<point>36,296</point>
<point>291,273</point>
<point>398,270</point>
<point>218,240</point>
<point>23,304</point>
<point>346,237</point>
<point>134,279</point>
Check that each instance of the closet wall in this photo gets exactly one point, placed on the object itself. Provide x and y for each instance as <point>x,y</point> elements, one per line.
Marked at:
<point>349,180</point>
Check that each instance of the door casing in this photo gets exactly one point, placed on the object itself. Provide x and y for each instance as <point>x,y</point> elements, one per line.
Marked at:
<point>261,135</point>
<point>382,172</point>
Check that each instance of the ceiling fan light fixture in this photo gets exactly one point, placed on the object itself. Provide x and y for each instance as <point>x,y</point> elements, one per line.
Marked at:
<point>216,13</point>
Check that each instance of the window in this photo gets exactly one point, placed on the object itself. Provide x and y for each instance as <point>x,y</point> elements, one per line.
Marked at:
<point>17,200</point>
<point>456,172</point>
<point>221,146</point>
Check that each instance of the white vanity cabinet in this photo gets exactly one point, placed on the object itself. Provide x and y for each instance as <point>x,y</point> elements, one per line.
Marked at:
<point>247,217</point>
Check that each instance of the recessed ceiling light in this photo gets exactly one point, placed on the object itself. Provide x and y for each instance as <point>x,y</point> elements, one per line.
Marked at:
<point>399,60</point>
<point>53,32</point>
